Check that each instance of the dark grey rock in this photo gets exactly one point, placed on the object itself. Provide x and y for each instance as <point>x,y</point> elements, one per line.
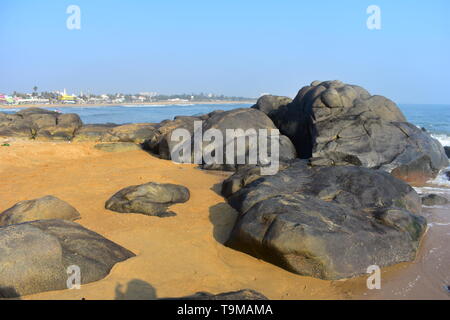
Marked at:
<point>161,143</point>
<point>447,151</point>
<point>39,124</point>
<point>151,199</point>
<point>326,222</point>
<point>245,119</point>
<point>330,119</point>
<point>270,103</point>
<point>434,200</point>
<point>48,207</point>
<point>34,256</point>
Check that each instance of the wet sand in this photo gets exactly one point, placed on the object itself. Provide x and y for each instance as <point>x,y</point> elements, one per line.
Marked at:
<point>182,255</point>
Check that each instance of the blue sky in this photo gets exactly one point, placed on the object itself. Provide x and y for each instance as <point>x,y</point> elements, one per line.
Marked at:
<point>232,47</point>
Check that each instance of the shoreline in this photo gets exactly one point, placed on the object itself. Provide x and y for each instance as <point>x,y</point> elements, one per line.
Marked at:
<point>156,103</point>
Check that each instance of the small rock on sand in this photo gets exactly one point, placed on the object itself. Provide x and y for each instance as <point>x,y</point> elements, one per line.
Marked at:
<point>48,207</point>
<point>151,199</point>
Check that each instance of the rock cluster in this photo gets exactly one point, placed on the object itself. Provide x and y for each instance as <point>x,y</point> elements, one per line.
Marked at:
<point>326,222</point>
<point>332,122</point>
<point>35,123</point>
<point>163,145</point>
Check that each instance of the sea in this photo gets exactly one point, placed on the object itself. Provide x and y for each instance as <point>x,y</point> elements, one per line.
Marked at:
<point>428,277</point>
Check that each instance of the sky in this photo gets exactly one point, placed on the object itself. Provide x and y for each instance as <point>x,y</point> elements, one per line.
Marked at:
<point>231,47</point>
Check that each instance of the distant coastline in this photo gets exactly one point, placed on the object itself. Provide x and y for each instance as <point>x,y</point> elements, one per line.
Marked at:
<point>89,105</point>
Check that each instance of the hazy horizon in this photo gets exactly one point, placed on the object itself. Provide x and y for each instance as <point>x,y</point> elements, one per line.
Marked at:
<point>233,48</point>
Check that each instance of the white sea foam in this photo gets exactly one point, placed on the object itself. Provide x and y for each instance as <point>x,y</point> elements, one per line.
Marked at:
<point>436,190</point>
<point>442,180</point>
<point>444,139</point>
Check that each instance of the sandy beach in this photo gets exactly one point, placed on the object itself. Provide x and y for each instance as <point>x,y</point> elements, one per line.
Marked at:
<point>175,256</point>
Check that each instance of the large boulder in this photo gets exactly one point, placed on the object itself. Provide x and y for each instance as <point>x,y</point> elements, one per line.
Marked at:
<point>151,199</point>
<point>160,143</point>
<point>270,103</point>
<point>330,119</point>
<point>35,256</point>
<point>48,207</point>
<point>14,125</point>
<point>35,123</point>
<point>245,119</point>
<point>325,222</point>
<point>163,143</point>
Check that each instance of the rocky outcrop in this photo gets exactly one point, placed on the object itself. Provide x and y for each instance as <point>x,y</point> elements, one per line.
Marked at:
<point>433,200</point>
<point>41,124</point>
<point>326,222</point>
<point>245,294</point>
<point>117,146</point>
<point>151,199</point>
<point>331,120</point>
<point>133,133</point>
<point>94,132</point>
<point>160,143</point>
<point>48,207</point>
<point>35,256</point>
<point>245,119</point>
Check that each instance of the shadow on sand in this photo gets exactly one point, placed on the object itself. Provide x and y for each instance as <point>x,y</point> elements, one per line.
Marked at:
<point>135,290</point>
<point>223,218</point>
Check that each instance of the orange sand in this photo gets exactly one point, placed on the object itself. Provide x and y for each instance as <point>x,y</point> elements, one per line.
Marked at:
<point>176,256</point>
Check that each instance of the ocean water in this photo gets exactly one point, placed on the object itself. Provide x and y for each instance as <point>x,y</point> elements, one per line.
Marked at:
<point>138,114</point>
<point>436,120</point>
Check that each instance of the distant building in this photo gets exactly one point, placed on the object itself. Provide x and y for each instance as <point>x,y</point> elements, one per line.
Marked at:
<point>4,99</point>
<point>65,98</point>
